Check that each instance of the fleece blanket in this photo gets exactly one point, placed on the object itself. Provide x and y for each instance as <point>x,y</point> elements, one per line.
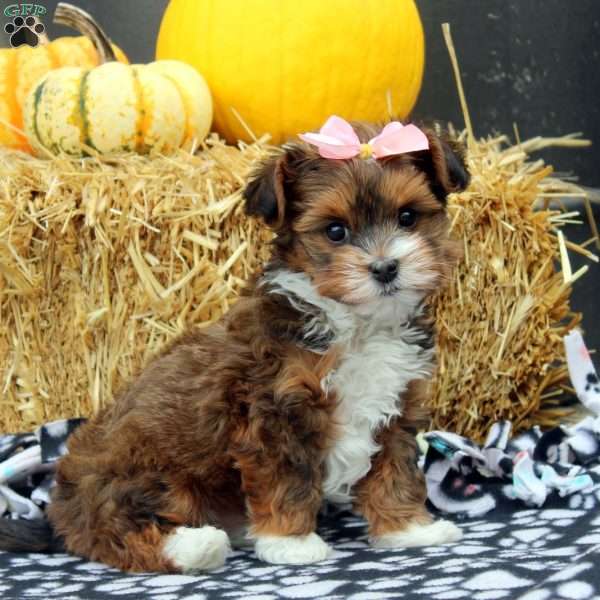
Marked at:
<point>543,553</point>
<point>528,506</point>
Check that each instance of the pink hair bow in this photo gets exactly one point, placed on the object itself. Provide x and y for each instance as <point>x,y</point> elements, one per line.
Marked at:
<point>337,139</point>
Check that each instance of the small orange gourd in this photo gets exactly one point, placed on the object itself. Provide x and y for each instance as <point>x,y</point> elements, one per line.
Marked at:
<point>22,67</point>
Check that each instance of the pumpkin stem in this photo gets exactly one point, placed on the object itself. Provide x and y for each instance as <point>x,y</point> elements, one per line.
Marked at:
<point>78,19</point>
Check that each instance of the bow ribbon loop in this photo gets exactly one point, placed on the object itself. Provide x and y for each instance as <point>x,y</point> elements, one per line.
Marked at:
<point>338,140</point>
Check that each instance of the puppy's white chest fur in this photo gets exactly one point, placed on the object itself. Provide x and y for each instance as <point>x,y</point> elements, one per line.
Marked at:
<point>374,371</point>
<point>380,356</point>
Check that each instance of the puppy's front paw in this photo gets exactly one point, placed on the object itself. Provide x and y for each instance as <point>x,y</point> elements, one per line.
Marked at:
<point>432,534</point>
<point>291,549</point>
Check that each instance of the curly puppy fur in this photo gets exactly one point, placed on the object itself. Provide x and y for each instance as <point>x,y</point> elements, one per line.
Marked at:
<point>310,388</point>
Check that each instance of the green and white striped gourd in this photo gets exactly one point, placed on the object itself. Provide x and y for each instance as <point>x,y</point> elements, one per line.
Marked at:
<point>114,108</point>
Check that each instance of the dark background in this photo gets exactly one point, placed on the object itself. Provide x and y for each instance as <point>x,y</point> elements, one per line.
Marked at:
<point>535,63</point>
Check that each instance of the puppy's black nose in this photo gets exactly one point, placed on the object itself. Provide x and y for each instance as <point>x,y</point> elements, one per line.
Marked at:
<point>384,271</point>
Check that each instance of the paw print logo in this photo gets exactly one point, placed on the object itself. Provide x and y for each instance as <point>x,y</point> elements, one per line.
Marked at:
<point>24,31</point>
<point>592,383</point>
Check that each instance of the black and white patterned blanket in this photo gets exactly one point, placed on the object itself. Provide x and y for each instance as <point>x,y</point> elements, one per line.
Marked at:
<point>509,551</point>
<point>529,554</point>
<point>528,508</point>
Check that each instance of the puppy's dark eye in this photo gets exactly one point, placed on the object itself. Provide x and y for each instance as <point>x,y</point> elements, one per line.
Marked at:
<point>407,217</point>
<point>337,232</point>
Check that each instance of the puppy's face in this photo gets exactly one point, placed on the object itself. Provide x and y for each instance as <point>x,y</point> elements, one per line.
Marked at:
<point>363,230</point>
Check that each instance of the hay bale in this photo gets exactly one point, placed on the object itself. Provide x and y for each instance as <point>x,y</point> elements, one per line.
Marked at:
<point>103,260</point>
<point>502,319</point>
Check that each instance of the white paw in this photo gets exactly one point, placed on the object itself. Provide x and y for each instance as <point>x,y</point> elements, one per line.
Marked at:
<point>291,549</point>
<point>192,549</point>
<point>438,532</point>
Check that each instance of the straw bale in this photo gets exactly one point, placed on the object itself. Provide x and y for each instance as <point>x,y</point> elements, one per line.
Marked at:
<point>502,319</point>
<point>102,260</point>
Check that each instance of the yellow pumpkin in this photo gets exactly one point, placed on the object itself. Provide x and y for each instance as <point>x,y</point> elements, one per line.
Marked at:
<point>154,108</point>
<point>22,67</point>
<point>285,66</point>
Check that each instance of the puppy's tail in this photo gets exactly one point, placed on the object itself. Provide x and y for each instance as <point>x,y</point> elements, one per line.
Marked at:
<point>24,535</point>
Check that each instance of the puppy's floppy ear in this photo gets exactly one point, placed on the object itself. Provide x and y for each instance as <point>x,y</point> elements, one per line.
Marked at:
<point>444,165</point>
<point>265,193</point>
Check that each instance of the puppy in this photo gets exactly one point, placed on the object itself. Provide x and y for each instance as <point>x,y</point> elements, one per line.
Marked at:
<point>309,389</point>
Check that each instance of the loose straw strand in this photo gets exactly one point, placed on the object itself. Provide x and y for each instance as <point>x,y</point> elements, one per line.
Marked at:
<point>459,85</point>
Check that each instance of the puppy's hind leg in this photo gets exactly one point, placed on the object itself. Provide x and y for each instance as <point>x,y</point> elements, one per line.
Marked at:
<point>196,549</point>
<point>180,550</point>
<point>152,546</point>
<point>134,524</point>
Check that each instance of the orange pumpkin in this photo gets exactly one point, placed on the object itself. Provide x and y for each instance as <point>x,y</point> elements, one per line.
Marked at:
<point>22,67</point>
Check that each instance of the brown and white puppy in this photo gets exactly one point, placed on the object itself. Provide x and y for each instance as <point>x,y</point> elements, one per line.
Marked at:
<point>309,389</point>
